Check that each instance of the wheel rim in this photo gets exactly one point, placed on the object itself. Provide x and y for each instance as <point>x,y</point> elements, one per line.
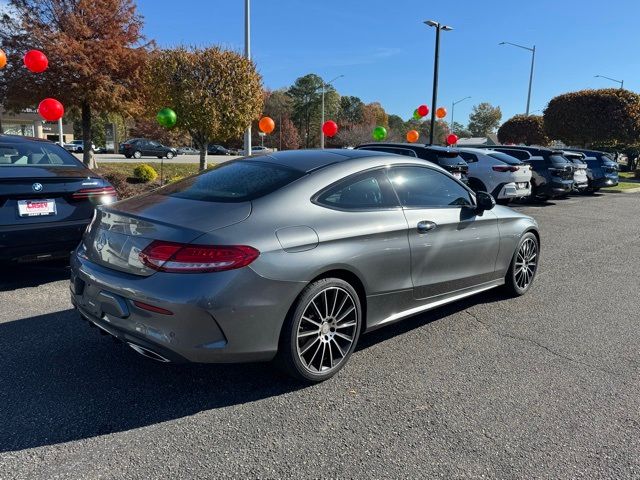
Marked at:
<point>327,330</point>
<point>136,155</point>
<point>526,263</point>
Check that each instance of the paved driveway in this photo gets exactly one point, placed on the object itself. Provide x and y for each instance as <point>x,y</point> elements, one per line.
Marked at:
<point>547,385</point>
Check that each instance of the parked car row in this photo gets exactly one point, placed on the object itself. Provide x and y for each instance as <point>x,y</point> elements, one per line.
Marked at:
<point>515,172</point>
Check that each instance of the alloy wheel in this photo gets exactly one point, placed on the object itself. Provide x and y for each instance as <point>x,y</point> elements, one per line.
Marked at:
<point>526,263</point>
<point>327,330</point>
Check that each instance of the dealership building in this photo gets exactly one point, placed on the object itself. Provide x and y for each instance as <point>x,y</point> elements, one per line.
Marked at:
<point>30,124</point>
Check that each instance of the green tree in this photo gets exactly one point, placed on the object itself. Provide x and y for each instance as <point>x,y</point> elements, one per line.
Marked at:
<point>306,96</point>
<point>96,53</point>
<point>484,119</point>
<point>526,129</point>
<point>351,111</point>
<point>215,93</point>
<point>460,130</point>
<point>609,115</point>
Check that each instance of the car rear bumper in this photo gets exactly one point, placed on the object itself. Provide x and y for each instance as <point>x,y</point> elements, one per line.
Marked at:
<point>42,241</point>
<point>220,317</point>
<point>606,181</point>
<point>512,190</point>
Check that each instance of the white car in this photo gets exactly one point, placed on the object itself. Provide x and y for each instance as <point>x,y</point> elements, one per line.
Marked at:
<point>258,150</point>
<point>580,176</point>
<point>503,176</point>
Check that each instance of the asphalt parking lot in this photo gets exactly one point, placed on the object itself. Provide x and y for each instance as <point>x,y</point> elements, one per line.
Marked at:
<point>543,386</point>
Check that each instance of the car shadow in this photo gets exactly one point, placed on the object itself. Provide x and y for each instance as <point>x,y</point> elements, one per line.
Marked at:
<point>63,381</point>
<point>15,276</point>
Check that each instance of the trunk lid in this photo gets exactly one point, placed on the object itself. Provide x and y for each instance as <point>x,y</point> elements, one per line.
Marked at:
<point>121,231</point>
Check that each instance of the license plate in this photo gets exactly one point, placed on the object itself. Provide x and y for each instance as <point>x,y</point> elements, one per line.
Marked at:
<point>521,184</point>
<point>36,208</point>
<point>457,175</point>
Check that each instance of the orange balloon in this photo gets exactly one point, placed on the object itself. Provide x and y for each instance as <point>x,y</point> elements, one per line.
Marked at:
<point>266,125</point>
<point>441,112</point>
<point>3,59</point>
<point>412,136</point>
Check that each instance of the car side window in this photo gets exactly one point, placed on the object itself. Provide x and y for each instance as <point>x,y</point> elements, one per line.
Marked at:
<point>365,191</point>
<point>469,157</point>
<point>407,152</point>
<point>427,188</point>
<point>154,144</point>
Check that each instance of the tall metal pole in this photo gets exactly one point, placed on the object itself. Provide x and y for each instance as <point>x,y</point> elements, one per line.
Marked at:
<point>247,54</point>
<point>533,59</point>
<point>434,97</point>
<point>322,118</point>
<point>453,105</point>
<point>61,141</point>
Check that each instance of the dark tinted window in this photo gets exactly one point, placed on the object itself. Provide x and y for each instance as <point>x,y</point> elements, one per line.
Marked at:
<point>398,151</point>
<point>505,158</point>
<point>519,154</point>
<point>558,160</point>
<point>233,182</point>
<point>424,187</point>
<point>469,157</point>
<point>363,191</point>
<point>38,154</point>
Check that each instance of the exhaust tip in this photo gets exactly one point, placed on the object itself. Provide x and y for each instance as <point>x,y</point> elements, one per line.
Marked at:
<point>145,352</point>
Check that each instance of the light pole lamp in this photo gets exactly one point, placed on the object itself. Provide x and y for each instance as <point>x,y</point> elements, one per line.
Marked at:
<point>621,82</point>
<point>247,54</point>
<point>434,98</point>
<point>323,86</point>
<point>453,105</point>
<point>533,59</point>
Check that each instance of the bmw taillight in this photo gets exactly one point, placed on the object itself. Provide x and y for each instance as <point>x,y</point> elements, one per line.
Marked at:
<point>505,168</point>
<point>102,195</point>
<point>188,258</point>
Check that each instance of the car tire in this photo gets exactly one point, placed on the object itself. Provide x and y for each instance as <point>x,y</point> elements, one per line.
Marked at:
<point>137,154</point>
<point>524,265</point>
<point>169,155</point>
<point>127,156</point>
<point>314,346</point>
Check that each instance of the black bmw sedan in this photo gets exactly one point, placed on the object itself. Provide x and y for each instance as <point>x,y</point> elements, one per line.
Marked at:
<point>47,198</point>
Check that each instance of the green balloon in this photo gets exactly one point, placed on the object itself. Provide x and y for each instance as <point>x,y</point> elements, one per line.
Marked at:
<point>379,133</point>
<point>416,115</point>
<point>167,117</point>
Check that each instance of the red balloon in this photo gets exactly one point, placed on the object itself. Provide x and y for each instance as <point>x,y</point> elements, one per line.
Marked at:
<point>423,110</point>
<point>36,61</point>
<point>329,128</point>
<point>51,109</point>
<point>452,139</point>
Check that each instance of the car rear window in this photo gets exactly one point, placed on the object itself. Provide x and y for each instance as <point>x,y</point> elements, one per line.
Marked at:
<point>558,160</point>
<point>35,154</point>
<point>505,158</point>
<point>238,181</point>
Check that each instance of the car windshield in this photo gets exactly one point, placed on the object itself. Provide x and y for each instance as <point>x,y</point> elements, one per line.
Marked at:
<point>239,181</point>
<point>35,154</point>
<point>503,157</point>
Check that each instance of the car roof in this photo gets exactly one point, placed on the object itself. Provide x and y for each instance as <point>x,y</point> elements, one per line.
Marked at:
<point>313,159</point>
<point>412,146</point>
<point>20,139</point>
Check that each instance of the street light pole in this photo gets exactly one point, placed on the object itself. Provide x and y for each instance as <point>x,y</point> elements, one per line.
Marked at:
<point>453,105</point>
<point>533,59</point>
<point>322,116</point>
<point>621,82</point>
<point>247,54</point>
<point>434,98</point>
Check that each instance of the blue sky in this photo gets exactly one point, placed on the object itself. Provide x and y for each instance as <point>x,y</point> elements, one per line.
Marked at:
<point>385,52</point>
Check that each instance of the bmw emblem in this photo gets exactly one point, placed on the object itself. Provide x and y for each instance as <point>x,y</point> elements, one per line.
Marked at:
<point>37,187</point>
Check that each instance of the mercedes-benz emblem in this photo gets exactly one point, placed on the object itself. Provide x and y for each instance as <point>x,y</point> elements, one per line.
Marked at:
<point>37,187</point>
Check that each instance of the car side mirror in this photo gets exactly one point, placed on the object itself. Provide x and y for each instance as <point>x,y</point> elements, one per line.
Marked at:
<point>484,201</point>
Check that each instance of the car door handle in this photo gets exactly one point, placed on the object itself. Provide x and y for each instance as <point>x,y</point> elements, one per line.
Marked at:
<point>425,226</point>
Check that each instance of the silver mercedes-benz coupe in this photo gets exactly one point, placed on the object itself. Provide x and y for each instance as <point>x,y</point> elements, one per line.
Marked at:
<point>291,256</point>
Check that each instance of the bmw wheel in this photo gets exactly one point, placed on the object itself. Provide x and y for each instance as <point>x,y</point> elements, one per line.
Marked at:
<point>322,331</point>
<point>524,265</point>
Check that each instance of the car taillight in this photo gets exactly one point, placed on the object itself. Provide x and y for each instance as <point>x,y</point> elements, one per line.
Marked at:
<point>178,257</point>
<point>504,168</point>
<point>102,194</point>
